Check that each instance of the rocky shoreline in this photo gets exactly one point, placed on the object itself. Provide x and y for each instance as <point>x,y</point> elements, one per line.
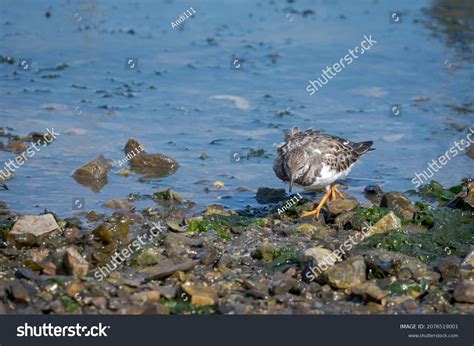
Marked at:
<point>414,258</point>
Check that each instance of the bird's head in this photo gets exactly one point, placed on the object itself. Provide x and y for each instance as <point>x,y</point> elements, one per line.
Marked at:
<point>296,165</point>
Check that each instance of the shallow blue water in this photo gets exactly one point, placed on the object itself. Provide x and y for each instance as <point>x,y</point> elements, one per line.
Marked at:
<point>166,102</point>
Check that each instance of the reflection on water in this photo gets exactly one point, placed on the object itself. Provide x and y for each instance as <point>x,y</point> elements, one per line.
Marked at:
<point>184,95</point>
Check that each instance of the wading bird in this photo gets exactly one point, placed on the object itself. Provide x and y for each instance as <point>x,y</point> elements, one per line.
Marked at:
<point>314,160</point>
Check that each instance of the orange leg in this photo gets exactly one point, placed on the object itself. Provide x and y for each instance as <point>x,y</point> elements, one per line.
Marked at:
<point>319,207</point>
<point>332,193</point>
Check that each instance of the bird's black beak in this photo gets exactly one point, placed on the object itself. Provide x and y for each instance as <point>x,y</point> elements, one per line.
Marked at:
<point>2,184</point>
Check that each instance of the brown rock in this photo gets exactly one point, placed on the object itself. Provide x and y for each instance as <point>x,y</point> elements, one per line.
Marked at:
<point>94,173</point>
<point>464,292</point>
<point>399,203</point>
<point>49,268</point>
<point>200,295</point>
<point>75,263</point>
<point>348,273</point>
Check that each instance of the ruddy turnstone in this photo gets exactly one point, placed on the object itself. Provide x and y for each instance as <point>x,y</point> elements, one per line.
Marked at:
<point>314,160</point>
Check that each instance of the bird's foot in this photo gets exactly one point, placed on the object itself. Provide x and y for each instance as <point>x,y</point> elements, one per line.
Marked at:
<point>335,193</point>
<point>320,205</point>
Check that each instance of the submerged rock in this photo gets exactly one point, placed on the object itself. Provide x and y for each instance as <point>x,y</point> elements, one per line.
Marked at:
<point>29,229</point>
<point>94,173</point>
<point>267,195</point>
<point>14,146</point>
<point>152,165</point>
<point>399,203</point>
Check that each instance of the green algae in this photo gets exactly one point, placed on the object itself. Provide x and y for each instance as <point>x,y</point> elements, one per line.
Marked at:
<point>452,234</point>
<point>372,214</point>
<point>179,307</point>
<point>434,191</point>
<point>222,224</point>
<point>69,304</point>
<point>398,288</point>
<point>283,259</point>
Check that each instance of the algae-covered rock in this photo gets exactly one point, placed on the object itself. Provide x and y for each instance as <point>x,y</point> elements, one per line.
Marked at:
<point>386,224</point>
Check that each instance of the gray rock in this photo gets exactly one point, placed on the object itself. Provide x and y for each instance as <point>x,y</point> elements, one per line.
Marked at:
<point>282,285</point>
<point>348,273</point>
<point>207,256</point>
<point>29,229</point>
<point>167,268</point>
<point>339,206</point>
<point>449,267</point>
<point>19,293</point>
<point>393,263</point>
<point>368,290</point>
<point>267,195</point>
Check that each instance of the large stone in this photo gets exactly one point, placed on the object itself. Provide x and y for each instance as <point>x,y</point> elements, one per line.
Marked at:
<point>392,263</point>
<point>29,229</point>
<point>200,295</point>
<point>75,263</point>
<point>348,273</point>
<point>341,205</point>
<point>94,173</point>
<point>399,203</point>
<point>151,165</point>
